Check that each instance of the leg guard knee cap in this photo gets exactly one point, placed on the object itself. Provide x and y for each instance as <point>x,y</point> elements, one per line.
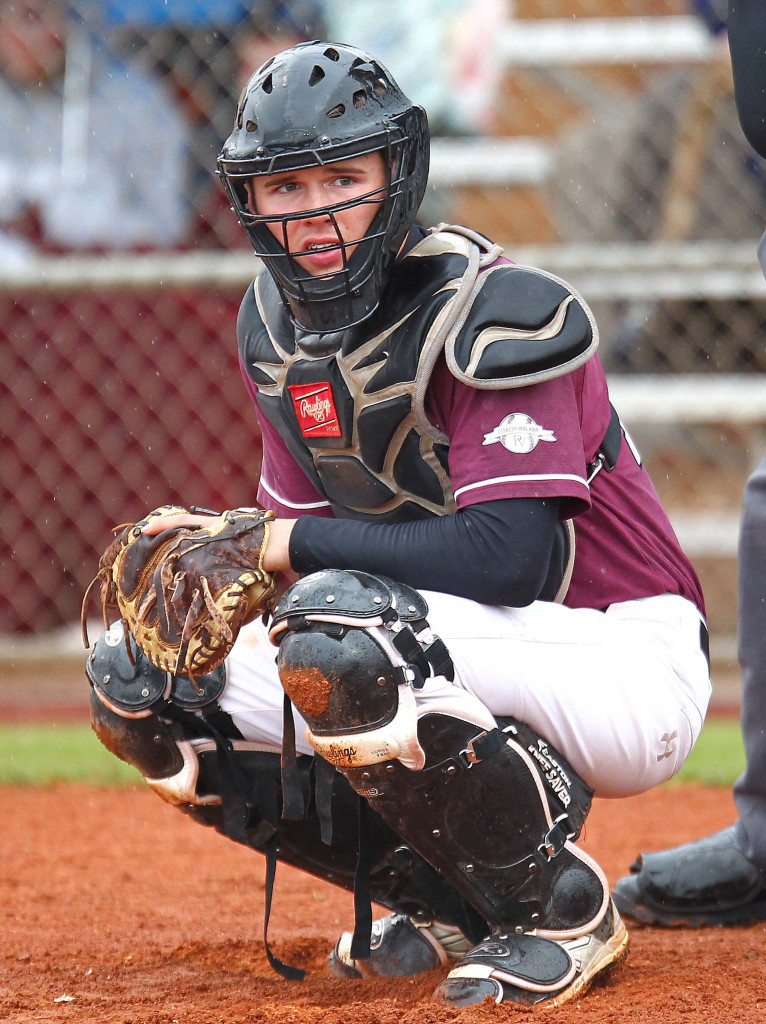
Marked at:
<point>348,660</point>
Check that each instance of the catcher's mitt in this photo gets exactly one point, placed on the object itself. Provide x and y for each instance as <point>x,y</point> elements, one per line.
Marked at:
<point>185,593</point>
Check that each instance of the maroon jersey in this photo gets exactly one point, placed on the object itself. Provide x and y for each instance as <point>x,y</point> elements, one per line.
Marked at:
<point>535,441</point>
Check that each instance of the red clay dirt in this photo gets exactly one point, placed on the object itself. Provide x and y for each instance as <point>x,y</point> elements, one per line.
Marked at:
<point>118,909</point>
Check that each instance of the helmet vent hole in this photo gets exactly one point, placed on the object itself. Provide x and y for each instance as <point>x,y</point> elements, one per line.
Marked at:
<point>316,75</point>
<point>332,54</point>
<point>268,84</point>
<point>337,111</point>
<point>251,126</point>
<point>380,88</point>
<point>360,98</point>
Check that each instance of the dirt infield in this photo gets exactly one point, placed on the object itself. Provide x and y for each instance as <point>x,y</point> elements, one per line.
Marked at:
<point>117,909</point>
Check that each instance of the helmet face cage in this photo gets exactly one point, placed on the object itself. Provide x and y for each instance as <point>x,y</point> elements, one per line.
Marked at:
<point>267,140</point>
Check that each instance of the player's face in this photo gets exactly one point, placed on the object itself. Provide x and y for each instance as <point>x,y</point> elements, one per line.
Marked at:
<point>307,190</point>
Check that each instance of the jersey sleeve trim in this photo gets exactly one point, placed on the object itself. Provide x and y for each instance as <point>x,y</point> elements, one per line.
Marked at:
<point>292,504</point>
<point>522,478</point>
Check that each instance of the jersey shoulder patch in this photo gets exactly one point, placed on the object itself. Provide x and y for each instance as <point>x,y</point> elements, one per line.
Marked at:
<point>524,326</point>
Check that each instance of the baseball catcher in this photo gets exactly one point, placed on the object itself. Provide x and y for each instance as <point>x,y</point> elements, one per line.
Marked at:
<point>492,618</point>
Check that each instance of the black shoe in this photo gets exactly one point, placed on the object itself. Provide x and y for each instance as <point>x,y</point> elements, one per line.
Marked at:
<point>530,970</point>
<point>400,948</point>
<point>707,882</point>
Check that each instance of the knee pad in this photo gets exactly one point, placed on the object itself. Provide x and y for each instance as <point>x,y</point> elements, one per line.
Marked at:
<point>169,762</point>
<point>147,743</point>
<point>352,647</point>
<point>131,686</point>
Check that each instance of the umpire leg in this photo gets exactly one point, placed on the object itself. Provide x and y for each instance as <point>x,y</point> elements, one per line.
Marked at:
<point>750,788</point>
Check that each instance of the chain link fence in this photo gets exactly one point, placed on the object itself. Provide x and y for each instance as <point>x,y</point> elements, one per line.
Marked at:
<point>595,138</point>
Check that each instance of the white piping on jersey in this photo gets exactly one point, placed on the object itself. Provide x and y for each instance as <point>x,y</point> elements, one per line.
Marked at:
<point>292,504</point>
<point>523,478</point>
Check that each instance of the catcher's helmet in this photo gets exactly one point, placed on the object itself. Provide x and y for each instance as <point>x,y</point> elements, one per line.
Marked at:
<point>311,105</point>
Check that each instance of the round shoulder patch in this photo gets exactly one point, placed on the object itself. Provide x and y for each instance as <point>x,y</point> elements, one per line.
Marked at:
<point>518,433</point>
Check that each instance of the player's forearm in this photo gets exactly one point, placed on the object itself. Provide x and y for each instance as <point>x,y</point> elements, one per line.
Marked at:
<point>496,552</point>
<point>747,42</point>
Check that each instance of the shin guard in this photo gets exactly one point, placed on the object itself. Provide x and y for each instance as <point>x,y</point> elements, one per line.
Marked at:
<point>490,805</point>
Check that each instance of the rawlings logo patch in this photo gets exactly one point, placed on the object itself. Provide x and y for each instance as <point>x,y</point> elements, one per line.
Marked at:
<point>315,409</point>
<point>518,433</point>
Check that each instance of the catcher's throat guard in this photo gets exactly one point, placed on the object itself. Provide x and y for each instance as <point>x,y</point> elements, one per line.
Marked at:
<point>183,594</point>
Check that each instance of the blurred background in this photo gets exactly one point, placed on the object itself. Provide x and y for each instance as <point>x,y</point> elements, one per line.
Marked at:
<point>594,138</point>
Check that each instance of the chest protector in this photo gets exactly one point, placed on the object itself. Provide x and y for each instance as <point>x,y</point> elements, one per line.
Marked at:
<point>351,406</point>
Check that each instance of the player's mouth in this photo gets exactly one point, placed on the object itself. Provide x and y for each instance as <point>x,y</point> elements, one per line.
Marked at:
<point>322,254</point>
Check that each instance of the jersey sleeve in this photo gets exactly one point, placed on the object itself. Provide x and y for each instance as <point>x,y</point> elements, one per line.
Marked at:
<point>516,443</point>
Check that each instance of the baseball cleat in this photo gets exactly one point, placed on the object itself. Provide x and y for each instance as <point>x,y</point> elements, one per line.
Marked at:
<point>400,948</point>
<point>706,882</point>
<point>531,970</point>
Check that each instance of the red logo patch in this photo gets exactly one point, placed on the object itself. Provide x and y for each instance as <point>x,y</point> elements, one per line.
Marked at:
<point>315,409</point>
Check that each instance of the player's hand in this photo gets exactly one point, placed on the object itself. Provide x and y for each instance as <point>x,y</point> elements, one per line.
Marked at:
<point>276,558</point>
<point>172,522</point>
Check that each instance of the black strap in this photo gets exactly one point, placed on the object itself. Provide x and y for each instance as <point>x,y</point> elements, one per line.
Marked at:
<point>292,794</point>
<point>407,645</point>
<point>221,721</point>
<point>324,779</point>
<point>705,642</point>
<point>609,449</point>
<point>251,823</point>
<point>484,745</point>
<point>244,820</point>
<point>360,942</point>
<point>439,658</point>
<point>291,973</point>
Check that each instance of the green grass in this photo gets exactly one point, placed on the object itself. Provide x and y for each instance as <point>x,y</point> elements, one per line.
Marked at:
<point>40,754</point>
<point>719,756</point>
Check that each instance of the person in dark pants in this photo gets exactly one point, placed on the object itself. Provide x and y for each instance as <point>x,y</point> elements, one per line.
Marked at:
<point>721,879</point>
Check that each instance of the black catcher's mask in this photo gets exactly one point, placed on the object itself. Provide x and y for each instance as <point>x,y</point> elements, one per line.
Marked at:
<point>316,104</point>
